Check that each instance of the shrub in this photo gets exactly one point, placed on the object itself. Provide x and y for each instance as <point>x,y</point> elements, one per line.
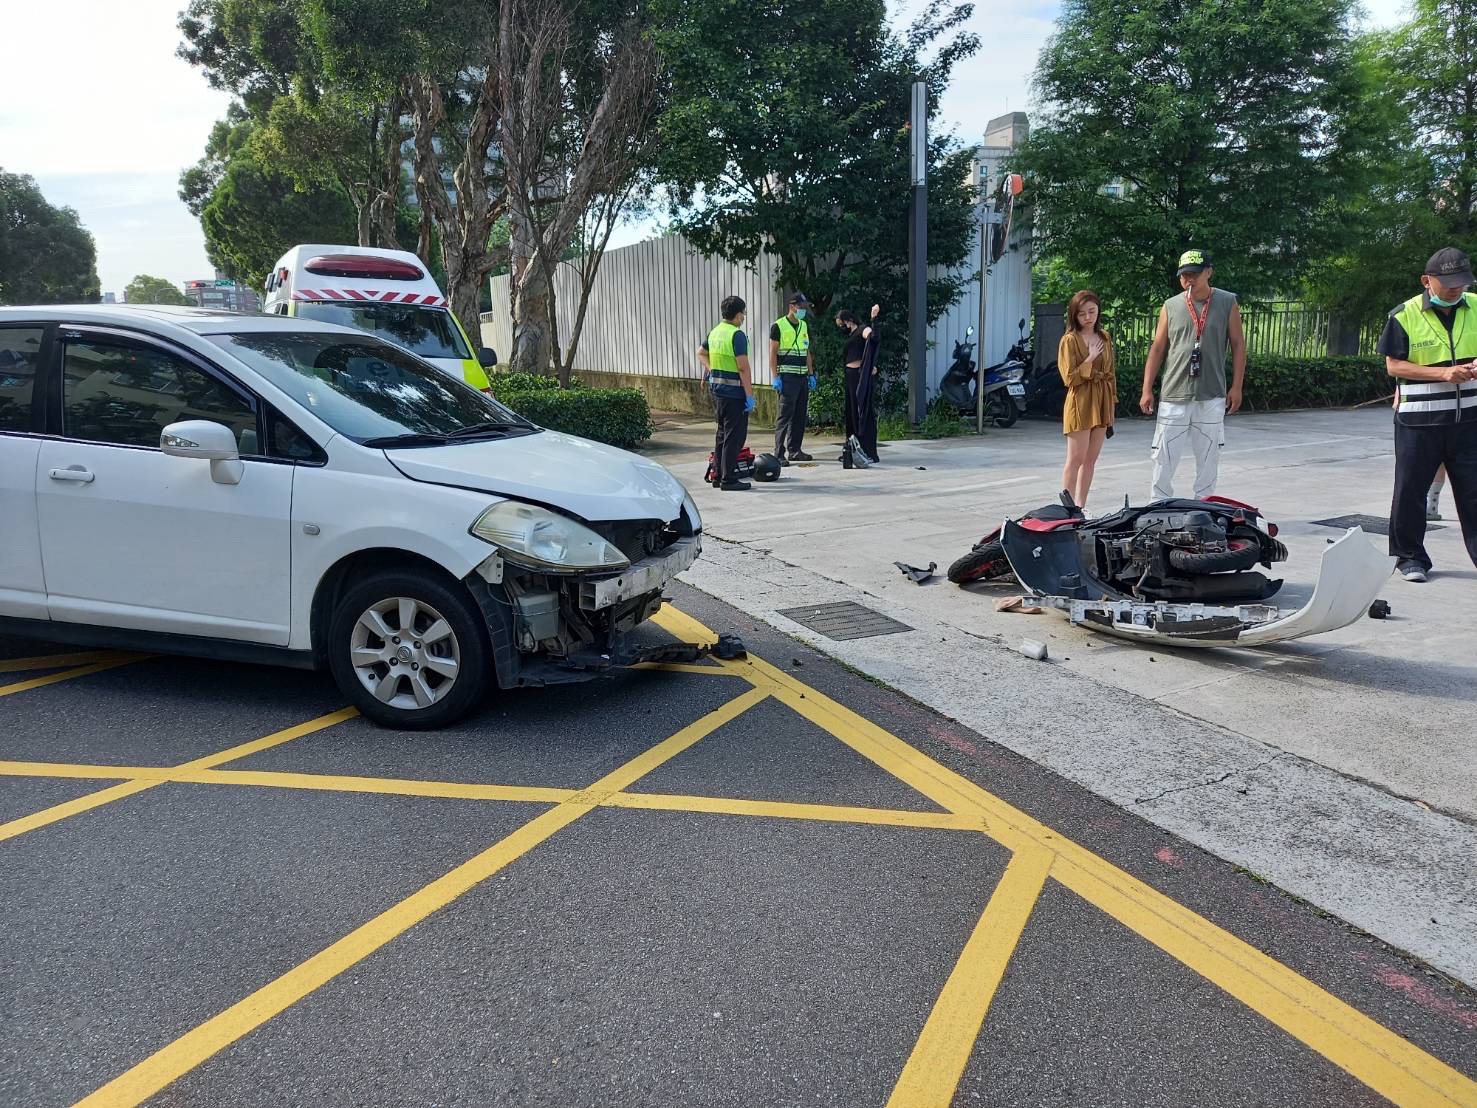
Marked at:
<point>525,382</point>
<point>618,417</point>
<point>1275,383</point>
<point>942,421</point>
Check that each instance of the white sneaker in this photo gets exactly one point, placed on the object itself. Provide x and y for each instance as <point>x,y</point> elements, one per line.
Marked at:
<point>1413,573</point>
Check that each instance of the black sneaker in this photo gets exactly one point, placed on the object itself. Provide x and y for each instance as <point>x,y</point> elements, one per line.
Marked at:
<point>735,486</point>
<point>782,459</point>
<point>801,456</point>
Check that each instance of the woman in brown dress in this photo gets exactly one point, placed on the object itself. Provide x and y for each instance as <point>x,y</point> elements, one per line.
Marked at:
<point>1085,360</point>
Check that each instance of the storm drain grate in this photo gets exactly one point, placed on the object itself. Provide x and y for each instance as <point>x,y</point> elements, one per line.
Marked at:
<point>1373,525</point>
<point>844,620</point>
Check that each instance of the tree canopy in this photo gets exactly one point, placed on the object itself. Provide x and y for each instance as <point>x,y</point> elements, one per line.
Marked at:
<point>46,255</point>
<point>1239,127</point>
<point>1424,195</point>
<point>145,289</point>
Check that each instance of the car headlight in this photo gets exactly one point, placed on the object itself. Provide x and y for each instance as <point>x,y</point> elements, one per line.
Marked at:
<point>541,539</point>
<point>689,505</point>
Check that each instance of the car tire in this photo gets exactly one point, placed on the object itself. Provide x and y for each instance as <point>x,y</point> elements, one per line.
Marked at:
<point>984,562</point>
<point>428,678</point>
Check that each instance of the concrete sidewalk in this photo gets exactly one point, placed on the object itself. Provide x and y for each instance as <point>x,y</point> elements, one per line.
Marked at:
<point>1353,753</point>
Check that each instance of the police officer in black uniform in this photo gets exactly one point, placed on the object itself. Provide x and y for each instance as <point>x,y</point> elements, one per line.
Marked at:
<point>1430,348</point>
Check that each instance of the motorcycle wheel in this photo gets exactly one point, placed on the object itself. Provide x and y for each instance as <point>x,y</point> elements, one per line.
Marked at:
<point>1239,554</point>
<point>983,563</point>
<point>1000,409</point>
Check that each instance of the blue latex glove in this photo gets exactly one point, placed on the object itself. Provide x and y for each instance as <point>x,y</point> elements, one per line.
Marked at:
<point>811,379</point>
<point>749,403</point>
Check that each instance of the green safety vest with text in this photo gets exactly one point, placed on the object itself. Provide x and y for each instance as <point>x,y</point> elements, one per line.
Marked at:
<point>794,346</point>
<point>1426,403</point>
<point>721,357</point>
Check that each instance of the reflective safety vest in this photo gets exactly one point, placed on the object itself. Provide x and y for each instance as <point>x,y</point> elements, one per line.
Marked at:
<point>794,346</point>
<point>721,357</point>
<point>1426,403</point>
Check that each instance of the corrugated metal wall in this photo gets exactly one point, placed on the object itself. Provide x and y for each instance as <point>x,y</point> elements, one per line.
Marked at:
<point>651,307</point>
<point>653,304</point>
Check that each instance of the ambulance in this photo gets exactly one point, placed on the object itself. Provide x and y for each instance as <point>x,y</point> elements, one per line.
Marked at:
<point>386,292</point>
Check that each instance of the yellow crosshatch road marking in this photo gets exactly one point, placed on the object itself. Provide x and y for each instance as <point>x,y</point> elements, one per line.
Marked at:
<point>209,1038</point>
<point>68,674</point>
<point>58,661</point>
<point>1381,1059</point>
<point>129,788</point>
<point>1393,1067</point>
<point>938,1060</point>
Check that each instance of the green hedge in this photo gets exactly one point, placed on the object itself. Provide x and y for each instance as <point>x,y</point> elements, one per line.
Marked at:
<point>619,417</point>
<point>1278,384</point>
<point>525,382</point>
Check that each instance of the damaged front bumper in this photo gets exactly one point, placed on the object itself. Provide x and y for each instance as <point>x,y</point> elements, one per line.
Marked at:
<point>550,628</point>
<point>1349,579</point>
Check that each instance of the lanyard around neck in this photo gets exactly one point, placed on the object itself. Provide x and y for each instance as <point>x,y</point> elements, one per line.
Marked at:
<point>1200,321</point>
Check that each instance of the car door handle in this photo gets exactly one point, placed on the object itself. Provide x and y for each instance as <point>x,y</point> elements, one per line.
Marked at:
<point>73,473</point>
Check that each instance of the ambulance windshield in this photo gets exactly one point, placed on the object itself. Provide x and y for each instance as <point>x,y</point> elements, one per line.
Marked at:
<point>428,332</point>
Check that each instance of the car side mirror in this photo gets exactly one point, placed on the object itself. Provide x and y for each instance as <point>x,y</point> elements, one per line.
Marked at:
<point>209,441</point>
<point>487,357</point>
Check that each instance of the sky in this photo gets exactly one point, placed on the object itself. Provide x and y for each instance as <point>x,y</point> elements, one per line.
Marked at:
<point>110,133</point>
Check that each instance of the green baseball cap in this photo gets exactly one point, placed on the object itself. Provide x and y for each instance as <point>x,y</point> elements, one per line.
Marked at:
<point>1193,261</point>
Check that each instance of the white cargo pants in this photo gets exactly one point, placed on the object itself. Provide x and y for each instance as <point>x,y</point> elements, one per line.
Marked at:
<point>1193,426</point>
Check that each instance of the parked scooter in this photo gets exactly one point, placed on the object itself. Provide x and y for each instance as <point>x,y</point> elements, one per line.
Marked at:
<point>1002,383</point>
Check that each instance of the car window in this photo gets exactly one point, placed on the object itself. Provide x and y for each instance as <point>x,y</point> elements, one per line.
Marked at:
<point>20,355</point>
<point>364,388</point>
<point>428,332</point>
<point>120,393</point>
<point>286,441</point>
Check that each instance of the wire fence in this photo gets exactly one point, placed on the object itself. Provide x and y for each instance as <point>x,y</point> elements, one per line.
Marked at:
<point>1280,328</point>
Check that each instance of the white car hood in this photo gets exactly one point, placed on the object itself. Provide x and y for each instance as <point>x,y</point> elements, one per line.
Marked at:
<point>584,478</point>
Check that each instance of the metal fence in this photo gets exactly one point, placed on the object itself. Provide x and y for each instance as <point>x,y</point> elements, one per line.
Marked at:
<point>1279,328</point>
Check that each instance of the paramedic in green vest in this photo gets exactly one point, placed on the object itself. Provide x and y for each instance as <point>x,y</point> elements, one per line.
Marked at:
<point>725,357</point>
<point>794,377</point>
<point>1430,348</point>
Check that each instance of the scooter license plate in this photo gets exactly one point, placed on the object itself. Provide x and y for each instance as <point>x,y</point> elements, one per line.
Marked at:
<point>1016,390</point>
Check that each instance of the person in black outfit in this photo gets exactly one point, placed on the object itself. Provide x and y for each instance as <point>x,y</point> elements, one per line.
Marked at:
<point>859,355</point>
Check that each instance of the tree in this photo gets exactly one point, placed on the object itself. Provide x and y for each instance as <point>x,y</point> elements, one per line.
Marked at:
<point>575,111</point>
<point>1425,193</point>
<point>794,142</point>
<point>144,289</point>
<point>46,255</point>
<point>1234,126</point>
<point>318,126</point>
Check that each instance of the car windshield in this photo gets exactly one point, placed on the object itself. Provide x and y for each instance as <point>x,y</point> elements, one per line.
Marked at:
<point>428,332</point>
<point>371,391</point>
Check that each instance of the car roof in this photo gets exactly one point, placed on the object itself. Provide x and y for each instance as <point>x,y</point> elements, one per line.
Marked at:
<point>165,317</point>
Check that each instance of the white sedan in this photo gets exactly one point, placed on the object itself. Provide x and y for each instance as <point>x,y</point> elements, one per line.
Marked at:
<point>271,489</point>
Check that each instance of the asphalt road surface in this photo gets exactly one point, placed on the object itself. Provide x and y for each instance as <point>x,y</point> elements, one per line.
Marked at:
<point>765,882</point>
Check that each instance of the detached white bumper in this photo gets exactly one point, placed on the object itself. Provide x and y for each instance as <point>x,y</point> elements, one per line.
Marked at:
<point>645,576</point>
<point>1349,579</point>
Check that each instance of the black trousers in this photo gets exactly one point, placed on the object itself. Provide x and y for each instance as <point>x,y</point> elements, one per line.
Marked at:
<point>789,429</point>
<point>1419,452</point>
<point>861,408</point>
<point>733,429</point>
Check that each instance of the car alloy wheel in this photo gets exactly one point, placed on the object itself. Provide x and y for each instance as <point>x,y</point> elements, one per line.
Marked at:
<point>405,653</point>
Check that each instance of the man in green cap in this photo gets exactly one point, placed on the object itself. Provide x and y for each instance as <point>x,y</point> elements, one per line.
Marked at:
<point>1197,331</point>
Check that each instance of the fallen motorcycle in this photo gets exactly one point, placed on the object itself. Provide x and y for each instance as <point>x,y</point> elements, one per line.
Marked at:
<point>1167,550</point>
<point>1173,571</point>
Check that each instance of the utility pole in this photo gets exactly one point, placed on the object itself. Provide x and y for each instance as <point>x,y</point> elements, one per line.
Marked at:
<point>918,259</point>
